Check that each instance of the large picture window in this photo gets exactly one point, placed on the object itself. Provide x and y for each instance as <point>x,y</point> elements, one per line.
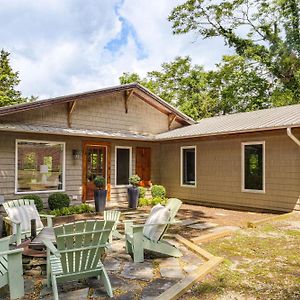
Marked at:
<point>39,166</point>
<point>123,165</point>
<point>188,166</point>
<point>253,166</point>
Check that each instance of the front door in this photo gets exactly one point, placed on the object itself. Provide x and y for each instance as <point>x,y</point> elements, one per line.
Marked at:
<point>143,165</point>
<point>95,163</point>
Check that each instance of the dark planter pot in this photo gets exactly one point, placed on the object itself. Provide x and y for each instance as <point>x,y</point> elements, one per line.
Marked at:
<point>100,200</point>
<point>133,197</point>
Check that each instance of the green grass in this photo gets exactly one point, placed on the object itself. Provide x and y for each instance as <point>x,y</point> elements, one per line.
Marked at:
<point>262,262</point>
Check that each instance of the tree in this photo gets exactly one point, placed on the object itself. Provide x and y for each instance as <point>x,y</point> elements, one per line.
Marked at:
<point>234,86</point>
<point>8,81</point>
<point>237,87</point>
<point>179,83</point>
<point>264,32</point>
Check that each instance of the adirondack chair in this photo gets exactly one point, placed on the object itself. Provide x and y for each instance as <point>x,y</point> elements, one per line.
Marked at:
<point>11,270</point>
<point>20,224</point>
<point>113,215</point>
<point>137,242</point>
<point>79,248</point>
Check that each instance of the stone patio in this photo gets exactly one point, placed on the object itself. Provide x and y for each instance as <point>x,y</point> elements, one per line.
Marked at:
<point>129,280</point>
<point>132,280</point>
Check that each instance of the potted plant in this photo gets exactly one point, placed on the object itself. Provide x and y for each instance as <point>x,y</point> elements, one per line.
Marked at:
<point>133,191</point>
<point>100,193</point>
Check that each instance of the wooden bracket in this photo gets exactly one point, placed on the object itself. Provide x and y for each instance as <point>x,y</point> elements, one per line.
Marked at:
<point>171,119</point>
<point>70,110</point>
<point>128,94</point>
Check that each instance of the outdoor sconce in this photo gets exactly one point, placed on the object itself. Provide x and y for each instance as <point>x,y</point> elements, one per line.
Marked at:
<point>76,154</point>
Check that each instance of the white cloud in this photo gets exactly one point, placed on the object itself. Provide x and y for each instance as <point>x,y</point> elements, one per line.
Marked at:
<point>60,47</point>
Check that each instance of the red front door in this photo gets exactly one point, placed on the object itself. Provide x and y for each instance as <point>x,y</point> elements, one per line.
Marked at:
<point>143,165</point>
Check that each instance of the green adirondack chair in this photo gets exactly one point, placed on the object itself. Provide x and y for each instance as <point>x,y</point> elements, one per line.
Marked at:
<point>79,248</point>
<point>23,210</point>
<point>137,242</point>
<point>11,269</point>
<point>113,215</point>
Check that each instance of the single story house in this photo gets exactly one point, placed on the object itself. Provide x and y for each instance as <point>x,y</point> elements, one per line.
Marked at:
<point>246,160</point>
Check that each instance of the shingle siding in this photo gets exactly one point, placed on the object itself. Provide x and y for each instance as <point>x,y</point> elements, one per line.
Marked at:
<point>219,171</point>
<point>73,167</point>
<point>100,113</point>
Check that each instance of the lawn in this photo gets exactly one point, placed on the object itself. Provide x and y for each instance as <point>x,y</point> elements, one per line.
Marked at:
<point>261,263</point>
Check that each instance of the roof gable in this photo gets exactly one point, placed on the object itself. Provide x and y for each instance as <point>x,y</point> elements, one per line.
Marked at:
<point>134,88</point>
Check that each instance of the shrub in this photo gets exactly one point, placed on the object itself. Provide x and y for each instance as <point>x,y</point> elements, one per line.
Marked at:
<point>134,180</point>
<point>158,200</point>
<point>142,192</point>
<point>58,200</point>
<point>143,202</point>
<point>37,201</point>
<point>72,210</point>
<point>100,182</point>
<point>158,191</point>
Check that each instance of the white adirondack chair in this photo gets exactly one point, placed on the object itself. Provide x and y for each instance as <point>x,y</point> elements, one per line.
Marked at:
<point>19,212</point>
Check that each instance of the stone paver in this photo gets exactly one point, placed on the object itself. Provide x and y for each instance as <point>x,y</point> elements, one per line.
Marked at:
<point>203,226</point>
<point>190,221</point>
<point>138,271</point>
<point>156,287</point>
<point>81,294</point>
<point>169,262</point>
<point>112,264</point>
<point>224,228</point>
<point>190,268</point>
<point>171,272</point>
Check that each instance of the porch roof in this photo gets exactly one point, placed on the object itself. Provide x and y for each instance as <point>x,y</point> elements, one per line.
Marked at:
<point>29,128</point>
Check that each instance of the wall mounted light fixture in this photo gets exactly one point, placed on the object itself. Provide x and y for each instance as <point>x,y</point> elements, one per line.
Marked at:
<point>76,154</point>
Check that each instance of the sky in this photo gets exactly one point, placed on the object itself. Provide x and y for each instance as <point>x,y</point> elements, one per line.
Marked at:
<point>61,47</point>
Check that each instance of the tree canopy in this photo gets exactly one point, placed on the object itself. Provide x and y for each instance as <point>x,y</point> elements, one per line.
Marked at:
<point>264,32</point>
<point>233,86</point>
<point>8,82</point>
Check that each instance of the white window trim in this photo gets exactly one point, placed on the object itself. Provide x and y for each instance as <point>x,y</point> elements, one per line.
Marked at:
<point>130,164</point>
<point>243,168</point>
<point>181,167</point>
<point>63,167</point>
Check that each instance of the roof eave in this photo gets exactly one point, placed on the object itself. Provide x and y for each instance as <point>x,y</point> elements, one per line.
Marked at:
<point>227,133</point>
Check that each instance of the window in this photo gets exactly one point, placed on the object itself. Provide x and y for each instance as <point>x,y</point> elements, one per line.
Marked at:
<point>39,166</point>
<point>188,166</point>
<point>123,165</point>
<point>253,156</point>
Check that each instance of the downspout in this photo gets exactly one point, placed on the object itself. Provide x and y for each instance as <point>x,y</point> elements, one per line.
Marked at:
<point>291,136</point>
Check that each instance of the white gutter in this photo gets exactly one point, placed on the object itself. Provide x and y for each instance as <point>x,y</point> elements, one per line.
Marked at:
<point>290,134</point>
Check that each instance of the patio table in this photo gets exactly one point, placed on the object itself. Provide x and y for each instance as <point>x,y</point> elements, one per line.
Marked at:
<point>45,233</point>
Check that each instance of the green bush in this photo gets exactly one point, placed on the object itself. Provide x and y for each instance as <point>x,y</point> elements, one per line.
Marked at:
<point>158,191</point>
<point>100,182</point>
<point>58,200</point>
<point>157,200</point>
<point>142,192</point>
<point>37,201</point>
<point>134,180</point>
<point>143,202</point>
<point>72,210</point>
<point>152,201</point>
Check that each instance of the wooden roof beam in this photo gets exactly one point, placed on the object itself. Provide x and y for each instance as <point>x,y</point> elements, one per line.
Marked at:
<point>70,109</point>
<point>171,119</point>
<point>128,94</point>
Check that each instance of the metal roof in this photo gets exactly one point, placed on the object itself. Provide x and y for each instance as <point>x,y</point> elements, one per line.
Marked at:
<point>138,89</point>
<point>266,119</point>
<point>29,128</point>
